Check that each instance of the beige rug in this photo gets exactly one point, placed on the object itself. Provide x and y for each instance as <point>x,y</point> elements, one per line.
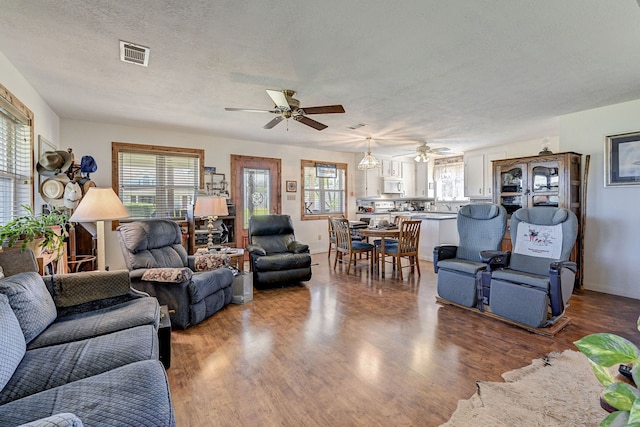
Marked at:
<point>560,390</point>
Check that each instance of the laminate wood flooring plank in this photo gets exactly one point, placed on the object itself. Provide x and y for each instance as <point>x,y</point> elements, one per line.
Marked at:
<point>358,350</point>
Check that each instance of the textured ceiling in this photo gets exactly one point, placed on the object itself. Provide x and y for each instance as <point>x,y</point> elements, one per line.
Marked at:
<point>459,73</point>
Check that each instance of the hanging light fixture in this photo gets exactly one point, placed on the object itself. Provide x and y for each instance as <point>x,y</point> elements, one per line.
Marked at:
<point>368,161</point>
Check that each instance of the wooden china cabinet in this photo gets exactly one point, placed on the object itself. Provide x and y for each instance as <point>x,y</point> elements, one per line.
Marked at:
<point>543,180</point>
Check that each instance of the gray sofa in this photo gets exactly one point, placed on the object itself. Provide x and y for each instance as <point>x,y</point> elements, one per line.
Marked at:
<point>156,245</point>
<point>78,349</point>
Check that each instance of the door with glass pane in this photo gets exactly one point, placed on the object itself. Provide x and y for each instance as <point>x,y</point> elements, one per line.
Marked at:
<point>256,190</point>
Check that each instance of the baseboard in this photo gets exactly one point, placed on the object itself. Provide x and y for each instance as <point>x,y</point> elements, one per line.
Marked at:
<point>548,331</point>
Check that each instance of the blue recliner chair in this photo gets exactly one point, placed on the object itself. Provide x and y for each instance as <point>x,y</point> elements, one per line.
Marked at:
<point>533,286</point>
<point>480,227</point>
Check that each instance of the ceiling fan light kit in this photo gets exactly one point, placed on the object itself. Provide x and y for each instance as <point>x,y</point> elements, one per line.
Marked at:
<point>286,107</point>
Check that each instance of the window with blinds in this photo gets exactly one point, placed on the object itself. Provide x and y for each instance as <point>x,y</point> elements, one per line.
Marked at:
<point>157,182</point>
<point>16,153</point>
<point>323,194</point>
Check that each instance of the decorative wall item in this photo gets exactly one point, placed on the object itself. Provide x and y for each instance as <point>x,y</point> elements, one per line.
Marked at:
<point>43,146</point>
<point>292,186</point>
<point>622,159</point>
<point>215,184</point>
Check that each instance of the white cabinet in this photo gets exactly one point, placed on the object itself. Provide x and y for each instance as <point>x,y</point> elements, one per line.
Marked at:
<point>392,168</point>
<point>478,173</point>
<point>409,178</point>
<point>368,183</point>
<point>422,179</point>
<point>474,175</point>
<point>434,232</point>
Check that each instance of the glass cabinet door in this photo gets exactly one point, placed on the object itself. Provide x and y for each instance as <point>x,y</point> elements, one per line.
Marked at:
<point>545,184</point>
<point>511,180</point>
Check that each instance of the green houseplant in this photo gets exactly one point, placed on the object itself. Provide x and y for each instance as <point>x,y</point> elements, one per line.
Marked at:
<point>47,231</point>
<point>605,350</point>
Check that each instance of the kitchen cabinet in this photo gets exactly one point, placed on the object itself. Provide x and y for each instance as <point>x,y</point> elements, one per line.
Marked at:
<point>478,173</point>
<point>436,230</point>
<point>392,168</point>
<point>546,180</point>
<point>368,183</point>
<point>409,178</point>
<point>422,179</point>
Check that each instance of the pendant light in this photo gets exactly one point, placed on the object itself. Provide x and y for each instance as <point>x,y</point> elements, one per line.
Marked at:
<point>368,161</point>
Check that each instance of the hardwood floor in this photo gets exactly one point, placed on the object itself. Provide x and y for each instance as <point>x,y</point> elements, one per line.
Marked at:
<point>356,350</point>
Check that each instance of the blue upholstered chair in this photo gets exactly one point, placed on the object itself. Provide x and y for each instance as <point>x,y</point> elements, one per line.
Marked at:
<point>481,227</point>
<point>536,284</point>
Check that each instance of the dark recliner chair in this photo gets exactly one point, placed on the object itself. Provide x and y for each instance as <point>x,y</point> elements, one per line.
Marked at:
<point>156,244</point>
<point>277,259</point>
<point>534,284</point>
<point>481,227</point>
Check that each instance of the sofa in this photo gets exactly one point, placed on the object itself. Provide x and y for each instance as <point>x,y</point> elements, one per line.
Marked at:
<point>191,287</point>
<point>276,258</point>
<point>78,349</point>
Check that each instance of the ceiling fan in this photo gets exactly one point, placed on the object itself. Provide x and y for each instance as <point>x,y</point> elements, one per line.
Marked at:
<point>423,151</point>
<point>286,106</point>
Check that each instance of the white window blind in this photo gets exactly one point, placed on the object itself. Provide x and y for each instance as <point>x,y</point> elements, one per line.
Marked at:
<point>324,196</point>
<point>158,185</point>
<point>15,162</point>
<point>448,174</point>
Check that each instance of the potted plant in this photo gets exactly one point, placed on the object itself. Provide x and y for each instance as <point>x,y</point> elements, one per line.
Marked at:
<point>45,231</point>
<point>605,350</point>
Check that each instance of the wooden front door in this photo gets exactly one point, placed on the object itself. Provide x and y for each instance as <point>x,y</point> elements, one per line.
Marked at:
<point>256,191</point>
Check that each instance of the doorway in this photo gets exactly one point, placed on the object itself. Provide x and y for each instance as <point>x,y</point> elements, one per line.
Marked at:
<point>256,191</point>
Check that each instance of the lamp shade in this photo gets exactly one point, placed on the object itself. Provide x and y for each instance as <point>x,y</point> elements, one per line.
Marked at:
<point>99,204</point>
<point>210,206</point>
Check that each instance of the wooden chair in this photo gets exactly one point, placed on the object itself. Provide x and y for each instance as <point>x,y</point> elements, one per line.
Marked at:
<point>407,246</point>
<point>345,245</point>
<point>332,234</point>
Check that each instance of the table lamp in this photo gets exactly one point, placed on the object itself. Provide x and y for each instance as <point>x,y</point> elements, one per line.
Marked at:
<point>99,205</point>
<point>212,208</point>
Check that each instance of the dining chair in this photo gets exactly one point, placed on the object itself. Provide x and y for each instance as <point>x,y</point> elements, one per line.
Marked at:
<point>388,242</point>
<point>345,245</point>
<point>406,247</point>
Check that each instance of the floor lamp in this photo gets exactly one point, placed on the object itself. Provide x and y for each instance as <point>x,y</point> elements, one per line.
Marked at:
<point>212,208</point>
<point>99,205</point>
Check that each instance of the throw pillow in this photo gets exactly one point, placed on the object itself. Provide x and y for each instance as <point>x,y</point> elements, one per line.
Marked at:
<point>211,261</point>
<point>12,344</point>
<point>31,302</point>
<point>171,275</point>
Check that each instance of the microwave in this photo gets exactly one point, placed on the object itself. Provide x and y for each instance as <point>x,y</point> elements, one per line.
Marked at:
<point>392,186</point>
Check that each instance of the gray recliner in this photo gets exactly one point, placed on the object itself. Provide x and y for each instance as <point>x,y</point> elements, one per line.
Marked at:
<point>276,257</point>
<point>157,244</point>
<point>536,284</point>
<point>481,227</point>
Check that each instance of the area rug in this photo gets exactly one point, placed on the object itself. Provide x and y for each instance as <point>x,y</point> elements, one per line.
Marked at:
<point>558,390</point>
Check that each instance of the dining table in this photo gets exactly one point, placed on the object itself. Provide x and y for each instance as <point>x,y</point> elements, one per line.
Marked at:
<point>383,234</point>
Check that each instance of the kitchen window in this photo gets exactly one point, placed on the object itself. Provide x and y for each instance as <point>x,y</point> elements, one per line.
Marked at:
<point>16,154</point>
<point>157,182</point>
<point>448,175</point>
<point>323,192</point>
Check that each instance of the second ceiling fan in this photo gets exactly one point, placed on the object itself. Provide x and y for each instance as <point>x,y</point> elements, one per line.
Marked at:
<point>286,106</point>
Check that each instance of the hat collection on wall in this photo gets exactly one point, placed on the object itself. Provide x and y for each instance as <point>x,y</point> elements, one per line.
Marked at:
<point>65,182</point>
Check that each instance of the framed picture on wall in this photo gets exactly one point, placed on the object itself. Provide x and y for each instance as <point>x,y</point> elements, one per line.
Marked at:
<point>292,186</point>
<point>622,159</point>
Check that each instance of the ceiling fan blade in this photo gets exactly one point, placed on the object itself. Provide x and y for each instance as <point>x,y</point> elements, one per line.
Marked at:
<point>250,110</point>
<point>324,109</point>
<point>437,150</point>
<point>279,98</point>
<point>310,122</point>
<point>273,122</point>
<point>408,153</point>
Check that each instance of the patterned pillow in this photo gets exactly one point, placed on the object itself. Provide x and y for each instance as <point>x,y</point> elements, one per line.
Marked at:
<point>12,344</point>
<point>172,275</point>
<point>211,261</point>
<point>31,302</point>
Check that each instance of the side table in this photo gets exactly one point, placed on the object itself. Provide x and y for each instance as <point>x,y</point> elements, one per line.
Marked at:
<point>164,337</point>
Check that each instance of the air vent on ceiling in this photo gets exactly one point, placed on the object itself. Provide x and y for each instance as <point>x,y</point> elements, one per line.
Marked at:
<point>134,54</point>
<point>359,125</point>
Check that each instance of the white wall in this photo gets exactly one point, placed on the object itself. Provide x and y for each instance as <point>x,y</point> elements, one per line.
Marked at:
<point>45,121</point>
<point>88,138</point>
<point>612,232</point>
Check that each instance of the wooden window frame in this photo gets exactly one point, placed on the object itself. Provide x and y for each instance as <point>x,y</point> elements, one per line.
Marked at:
<point>321,216</point>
